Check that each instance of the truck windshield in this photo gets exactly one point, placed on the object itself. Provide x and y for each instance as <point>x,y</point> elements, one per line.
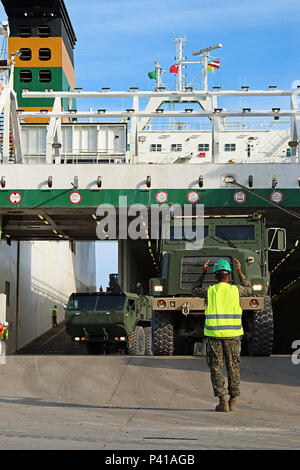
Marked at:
<point>111,302</point>
<point>180,233</point>
<point>235,232</point>
<point>82,302</point>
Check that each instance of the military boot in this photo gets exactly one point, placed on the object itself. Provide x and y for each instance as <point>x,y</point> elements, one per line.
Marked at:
<point>223,404</point>
<point>232,403</point>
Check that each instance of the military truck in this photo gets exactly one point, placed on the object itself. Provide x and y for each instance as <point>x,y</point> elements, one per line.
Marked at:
<point>111,321</point>
<point>178,316</point>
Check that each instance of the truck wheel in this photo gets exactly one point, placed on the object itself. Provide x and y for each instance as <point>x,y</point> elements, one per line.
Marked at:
<point>137,343</point>
<point>162,334</point>
<point>261,343</point>
<point>148,341</point>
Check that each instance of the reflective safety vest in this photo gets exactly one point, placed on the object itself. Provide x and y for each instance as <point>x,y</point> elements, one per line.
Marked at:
<point>223,316</point>
<point>4,334</point>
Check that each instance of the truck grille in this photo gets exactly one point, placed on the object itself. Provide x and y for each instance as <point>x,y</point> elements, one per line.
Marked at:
<point>191,269</point>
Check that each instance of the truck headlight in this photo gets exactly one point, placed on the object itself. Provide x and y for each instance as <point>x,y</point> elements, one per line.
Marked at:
<point>158,288</point>
<point>257,287</point>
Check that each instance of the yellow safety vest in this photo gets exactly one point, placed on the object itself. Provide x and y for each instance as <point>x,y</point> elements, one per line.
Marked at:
<point>223,316</point>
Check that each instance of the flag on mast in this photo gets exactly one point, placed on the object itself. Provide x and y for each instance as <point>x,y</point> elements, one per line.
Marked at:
<point>174,69</point>
<point>215,64</point>
<point>152,75</point>
<point>210,69</point>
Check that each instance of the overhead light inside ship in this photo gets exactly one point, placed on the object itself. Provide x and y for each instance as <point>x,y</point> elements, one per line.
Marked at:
<point>94,216</point>
<point>40,217</point>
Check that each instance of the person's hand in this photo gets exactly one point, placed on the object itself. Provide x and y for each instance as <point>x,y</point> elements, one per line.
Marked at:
<point>204,268</point>
<point>238,266</point>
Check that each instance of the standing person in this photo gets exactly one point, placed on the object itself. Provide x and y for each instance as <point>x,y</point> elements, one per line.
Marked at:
<point>54,316</point>
<point>223,329</point>
<point>3,341</point>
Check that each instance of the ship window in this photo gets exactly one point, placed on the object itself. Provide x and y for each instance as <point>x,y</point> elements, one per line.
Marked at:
<point>44,31</point>
<point>203,147</point>
<point>235,232</point>
<point>230,147</point>
<point>25,54</point>
<point>24,31</point>
<point>155,148</point>
<point>45,54</point>
<point>45,76</point>
<point>176,148</point>
<point>25,76</point>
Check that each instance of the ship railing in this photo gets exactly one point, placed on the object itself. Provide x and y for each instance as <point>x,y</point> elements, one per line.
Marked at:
<point>34,156</point>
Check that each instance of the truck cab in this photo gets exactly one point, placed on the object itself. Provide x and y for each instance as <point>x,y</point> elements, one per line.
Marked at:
<point>243,237</point>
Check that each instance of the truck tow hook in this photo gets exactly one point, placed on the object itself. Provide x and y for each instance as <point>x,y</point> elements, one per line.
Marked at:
<point>185,309</point>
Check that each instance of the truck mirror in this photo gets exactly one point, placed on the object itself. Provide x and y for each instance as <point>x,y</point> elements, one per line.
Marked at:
<point>277,239</point>
<point>139,289</point>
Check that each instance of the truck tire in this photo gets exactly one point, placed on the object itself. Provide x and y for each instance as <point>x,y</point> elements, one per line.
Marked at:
<point>137,342</point>
<point>148,339</point>
<point>261,343</point>
<point>162,334</point>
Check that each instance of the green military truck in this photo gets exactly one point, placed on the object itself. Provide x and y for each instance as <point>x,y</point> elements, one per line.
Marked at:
<point>110,321</point>
<point>178,316</point>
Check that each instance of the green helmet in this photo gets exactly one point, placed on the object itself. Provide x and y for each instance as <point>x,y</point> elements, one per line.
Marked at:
<point>222,265</point>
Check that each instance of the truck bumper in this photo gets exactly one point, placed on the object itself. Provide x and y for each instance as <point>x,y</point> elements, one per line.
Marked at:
<point>197,306</point>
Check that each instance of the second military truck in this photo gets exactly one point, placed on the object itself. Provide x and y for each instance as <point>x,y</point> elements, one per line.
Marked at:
<point>110,321</point>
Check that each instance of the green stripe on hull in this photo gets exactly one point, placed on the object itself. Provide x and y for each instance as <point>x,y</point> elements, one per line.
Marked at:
<point>223,198</point>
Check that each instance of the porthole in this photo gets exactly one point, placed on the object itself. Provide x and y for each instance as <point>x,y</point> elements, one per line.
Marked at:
<point>25,76</point>
<point>45,76</point>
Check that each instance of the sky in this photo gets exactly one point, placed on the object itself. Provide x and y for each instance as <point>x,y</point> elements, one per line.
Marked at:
<point>118,40</point>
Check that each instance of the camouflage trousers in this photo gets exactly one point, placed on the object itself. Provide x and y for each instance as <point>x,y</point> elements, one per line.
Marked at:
<point>218,350</point>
